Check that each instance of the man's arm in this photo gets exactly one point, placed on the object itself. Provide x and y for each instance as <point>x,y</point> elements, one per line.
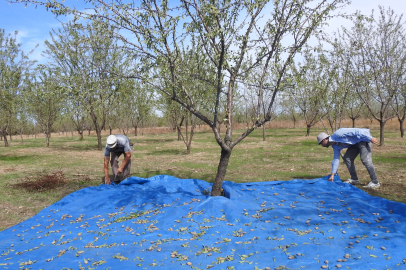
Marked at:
<point>335,163</point>
<point>126,160</point>
<point>106,171</point>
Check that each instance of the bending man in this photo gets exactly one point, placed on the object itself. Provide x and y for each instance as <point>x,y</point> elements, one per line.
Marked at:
<point>358,141</point>
<point>115,146</point>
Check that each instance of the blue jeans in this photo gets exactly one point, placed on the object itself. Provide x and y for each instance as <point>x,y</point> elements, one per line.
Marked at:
<point>364,149</point>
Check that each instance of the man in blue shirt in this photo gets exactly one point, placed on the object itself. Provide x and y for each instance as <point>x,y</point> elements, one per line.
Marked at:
<point>358,141</point>
<point>115,146</point>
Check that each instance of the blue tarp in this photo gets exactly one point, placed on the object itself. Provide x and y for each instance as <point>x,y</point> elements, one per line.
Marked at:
<point>173,223</point>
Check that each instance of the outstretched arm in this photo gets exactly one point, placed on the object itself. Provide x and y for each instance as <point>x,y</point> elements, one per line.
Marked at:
<point>335,163</point>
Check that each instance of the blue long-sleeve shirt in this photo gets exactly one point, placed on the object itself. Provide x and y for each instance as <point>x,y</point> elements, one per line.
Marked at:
<point>344,138</point>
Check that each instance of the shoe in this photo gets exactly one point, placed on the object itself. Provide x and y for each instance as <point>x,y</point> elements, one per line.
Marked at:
<point>372,185</point>
<point>352,182</point>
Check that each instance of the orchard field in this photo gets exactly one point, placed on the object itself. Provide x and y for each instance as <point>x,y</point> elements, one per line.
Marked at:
<point>33,176</point>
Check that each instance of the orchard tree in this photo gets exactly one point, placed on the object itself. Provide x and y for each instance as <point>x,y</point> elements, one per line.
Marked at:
<point>44,97</point>
<point>89,61</point>
<point>399,106</point>
<point>183,121</point>
<point>259,93</point>
<point>14,67</point>
<point>22,119</point>
<point>376,48</point>
<point>78,115</point>
<point>113,120</point>
<point>195,65</point>
<point>137,103</point>
<point>230,33</point>
<point>339,89</point>
<point>172,114</point>
<point>313,79</point>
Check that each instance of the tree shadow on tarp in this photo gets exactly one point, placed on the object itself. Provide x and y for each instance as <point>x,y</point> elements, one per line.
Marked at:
<point>173,223</point>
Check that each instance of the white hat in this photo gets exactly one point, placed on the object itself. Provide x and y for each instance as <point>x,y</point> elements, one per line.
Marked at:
<point>322,136</point>
<point>111,141</point>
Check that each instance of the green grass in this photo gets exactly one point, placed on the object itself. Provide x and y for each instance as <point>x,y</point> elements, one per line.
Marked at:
<point>286,154</point>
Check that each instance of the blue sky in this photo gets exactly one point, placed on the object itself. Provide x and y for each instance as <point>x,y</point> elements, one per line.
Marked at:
<point>34,24</point>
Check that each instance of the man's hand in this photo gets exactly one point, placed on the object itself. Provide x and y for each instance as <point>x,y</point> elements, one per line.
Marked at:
<point>374,140</point>
<point>127,158</point>
<point>331,178</point>
<point>107,180</point>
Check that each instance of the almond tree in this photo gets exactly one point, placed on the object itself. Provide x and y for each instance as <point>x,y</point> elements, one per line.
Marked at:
<point>354,107</point>
<point>399,106</point>
<point>44,99</point>
<point>313,79</point>
<point>197,76</point>
<point>88,60</point>
<point>22,120</point>
<point>137,103</point>
<point>376,48</point>
<point>230,32</point>
<point>14,68</point>
<point>339,90</point>
<point>259,93</point>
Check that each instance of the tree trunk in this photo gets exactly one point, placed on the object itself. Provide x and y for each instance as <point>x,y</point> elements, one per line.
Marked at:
<point>98,128</point>
<point>353,122</point>
<point>401,127</point>
<point>80,134</point>
<point>4,135</point>
<point>382,131</point>
<point>21,136</point>
<point>179,135</point>
<point>263,132</point>
<point>188,147</point>
<point>47,138</point>
<point>308,130</point>
<point>221,172</point>
<point>99,142</point>
<point>135,130</point>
